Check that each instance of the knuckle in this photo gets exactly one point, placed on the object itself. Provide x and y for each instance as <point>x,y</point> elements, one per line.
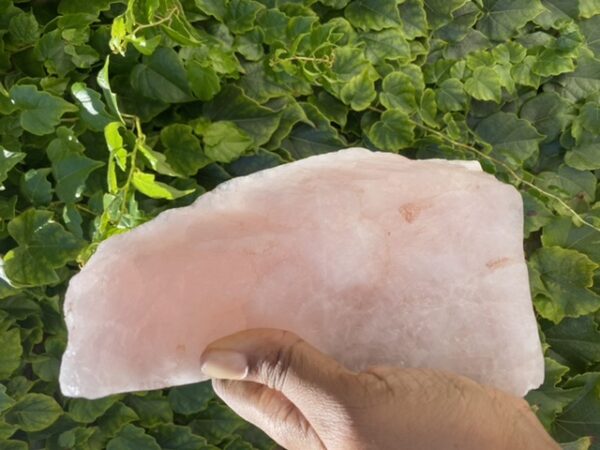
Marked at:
<point>277,364</point>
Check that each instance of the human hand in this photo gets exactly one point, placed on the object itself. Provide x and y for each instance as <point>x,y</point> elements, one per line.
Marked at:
<point>305,400</point>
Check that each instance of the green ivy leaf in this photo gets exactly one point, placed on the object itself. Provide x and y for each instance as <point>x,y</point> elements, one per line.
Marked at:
<point>510,136</point>
<point>360,92</point>
<point>549,399</point>
<point>241,14</point>
<point>23,29</point>
<point>175,437</point>
<point>36,187</point>
<point>580,417</point>
<point>132,438</point>
<point>439,12</point>
<point>191,398</point>
<point>451,95</point>
<point>10,352</point>
<point>69,166</point>
<point>147,185</point>
<point>8,160</point>
<point>384,45</point>
<point>584,443</point>
<point>91,107</point>
<point>40,111</point>
<point>548,113</point>
<point>225,142</point>
<point>576,340</point>
<point>162,77</point>
<point>88,411</point>
<point>44,246</point>
<point>34,412</point>
<point>183,151</point>
<point>414,19</point>
<point>399,92</point>
<point>393,132</point>
<point>373,14</point>
<point>561,280</point>
<point>502,18</point>
<point>231,104</point>
<point>203,79</point>
<point>484,84</point>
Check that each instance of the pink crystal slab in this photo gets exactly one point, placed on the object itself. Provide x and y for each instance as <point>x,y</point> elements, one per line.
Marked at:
<point>371,257</point>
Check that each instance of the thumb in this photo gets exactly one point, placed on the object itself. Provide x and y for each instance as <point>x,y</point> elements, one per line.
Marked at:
<point>282,362</point>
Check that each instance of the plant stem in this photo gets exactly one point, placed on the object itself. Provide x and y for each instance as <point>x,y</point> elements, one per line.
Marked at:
<point>511,172</point>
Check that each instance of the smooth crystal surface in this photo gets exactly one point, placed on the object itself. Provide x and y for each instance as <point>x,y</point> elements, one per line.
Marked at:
<point>371,257</point>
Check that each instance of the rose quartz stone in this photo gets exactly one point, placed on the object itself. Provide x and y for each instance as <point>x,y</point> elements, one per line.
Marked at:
<point>371,257</point>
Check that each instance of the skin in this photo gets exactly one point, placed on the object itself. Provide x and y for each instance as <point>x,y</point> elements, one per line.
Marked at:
<point>306,400</point>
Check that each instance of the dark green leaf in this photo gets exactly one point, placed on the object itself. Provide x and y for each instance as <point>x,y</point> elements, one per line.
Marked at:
<point>132,438</point>
<point>40,111</point>
<point>8,160</point>
<point>183,150</point>
<point>162,77</point>
<point>34,412</point>
<point>373,14</point>
<point>10,352</point>
<point>191,398</point>
<point>502,18</point>
<point>36,187</point>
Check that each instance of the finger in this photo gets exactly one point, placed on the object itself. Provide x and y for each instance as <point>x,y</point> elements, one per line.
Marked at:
<point>280,360</point>
<point>270,411</point>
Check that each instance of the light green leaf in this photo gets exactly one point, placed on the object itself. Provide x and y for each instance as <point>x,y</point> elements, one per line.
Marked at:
<point>399,92</point>
<point>231,104</point>
<point>225,142</point>
<point>451,95</point>
<point>183,150</point>
<point>393,132</point>
<point>132,438</point>
<point>157,160</point>
<point>36,187</point>
<point>589,8</point>
<point>40,111</point>
<point>510,136</point>
<point>8,160</point>
<point>109,96</point>
<point>203,80</point>
<point>373,14</point>
<point>561,280</point>
<point>502,18</point>
<point>162,77</point>
<point>484,84</point>
<point>215,8</point>
<point>522,72</point>
<point>360,92</point>
<point>147,185</point>
<point>10,352</point>
<point>584,443</point>
<point>34,412</point>
<point>552,62</point>
<point>537,214</point>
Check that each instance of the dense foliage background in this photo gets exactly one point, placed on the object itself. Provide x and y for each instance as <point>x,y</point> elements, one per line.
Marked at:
<point>111,112</point>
